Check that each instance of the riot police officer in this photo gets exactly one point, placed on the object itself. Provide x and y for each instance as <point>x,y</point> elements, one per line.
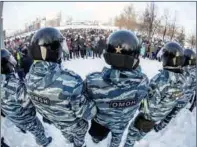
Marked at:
<point>119,90</point>
<point>14,102</point>
<point>166,92</point>
<point>190,74</point>
<point>58,93</point>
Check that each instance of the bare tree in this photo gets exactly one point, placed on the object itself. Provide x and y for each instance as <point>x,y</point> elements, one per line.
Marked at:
<point>159,28</point>
<point>150,20</point>
<point>192,40</point>
<point>119,21</point>
<point>142,25</point>
<point>157,24</point>
<point>130,17</point>
<point>173,27</point>
<point>181,36</point>
<point>166,18</point>
<point>145,20</point>
<point>127,18</point>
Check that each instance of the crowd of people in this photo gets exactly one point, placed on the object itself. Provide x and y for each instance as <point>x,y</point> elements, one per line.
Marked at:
<point>84,43</point>
<point>150,50</point>
<point>88,43</point>
<point>109,98</point>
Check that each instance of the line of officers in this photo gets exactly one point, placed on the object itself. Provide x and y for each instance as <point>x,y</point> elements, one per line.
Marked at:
<point>109,98</point>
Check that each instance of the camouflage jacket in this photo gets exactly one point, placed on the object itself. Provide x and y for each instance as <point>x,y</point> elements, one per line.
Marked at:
<point>166,90</point>
<point>14,102</point>
<point>58,94</point>
<point>190,74</point>
<point>117,95</point>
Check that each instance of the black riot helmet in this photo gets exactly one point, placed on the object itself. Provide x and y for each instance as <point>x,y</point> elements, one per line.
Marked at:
<point>8,63</point>
<point>123,50</point>
<point>172,56</point>
<point>190,57</point>
<point>47,44</point>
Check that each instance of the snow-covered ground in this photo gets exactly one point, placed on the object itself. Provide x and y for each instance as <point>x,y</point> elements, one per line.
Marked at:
<point>181,132</point>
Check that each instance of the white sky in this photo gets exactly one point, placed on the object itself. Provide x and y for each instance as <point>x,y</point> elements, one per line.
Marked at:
<point>16,14</point>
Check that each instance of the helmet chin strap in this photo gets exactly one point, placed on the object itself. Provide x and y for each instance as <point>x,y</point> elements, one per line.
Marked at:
<point>177,69</point>
<point>135,63</point>
<point>171,67</point>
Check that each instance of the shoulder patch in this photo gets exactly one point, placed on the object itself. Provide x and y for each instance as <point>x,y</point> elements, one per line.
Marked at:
<point>40,99</point>
<point>123,104</point>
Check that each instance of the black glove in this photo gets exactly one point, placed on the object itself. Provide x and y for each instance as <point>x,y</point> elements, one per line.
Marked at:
<point>193,104</point>
<point>46,120</point>
<point>3,144</point>
<point>2,114</point>
<point>98,132</point>
<point>143,124</point>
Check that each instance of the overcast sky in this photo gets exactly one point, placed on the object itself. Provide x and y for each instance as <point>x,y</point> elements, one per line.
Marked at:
<point>16,14</point>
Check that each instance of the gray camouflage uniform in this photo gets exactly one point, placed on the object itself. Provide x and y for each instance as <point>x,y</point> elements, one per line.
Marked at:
<point>190,95</point>
<point>190,74</point>
<point>117,95</point>
<point>165,93</point>
<point>57,95</point>
<point>19,109</point>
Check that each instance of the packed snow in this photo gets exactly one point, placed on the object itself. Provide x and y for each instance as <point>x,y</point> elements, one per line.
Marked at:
<point>181,132</point>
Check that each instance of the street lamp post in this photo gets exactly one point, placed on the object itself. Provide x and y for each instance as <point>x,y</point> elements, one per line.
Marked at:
<point>1,26</point>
